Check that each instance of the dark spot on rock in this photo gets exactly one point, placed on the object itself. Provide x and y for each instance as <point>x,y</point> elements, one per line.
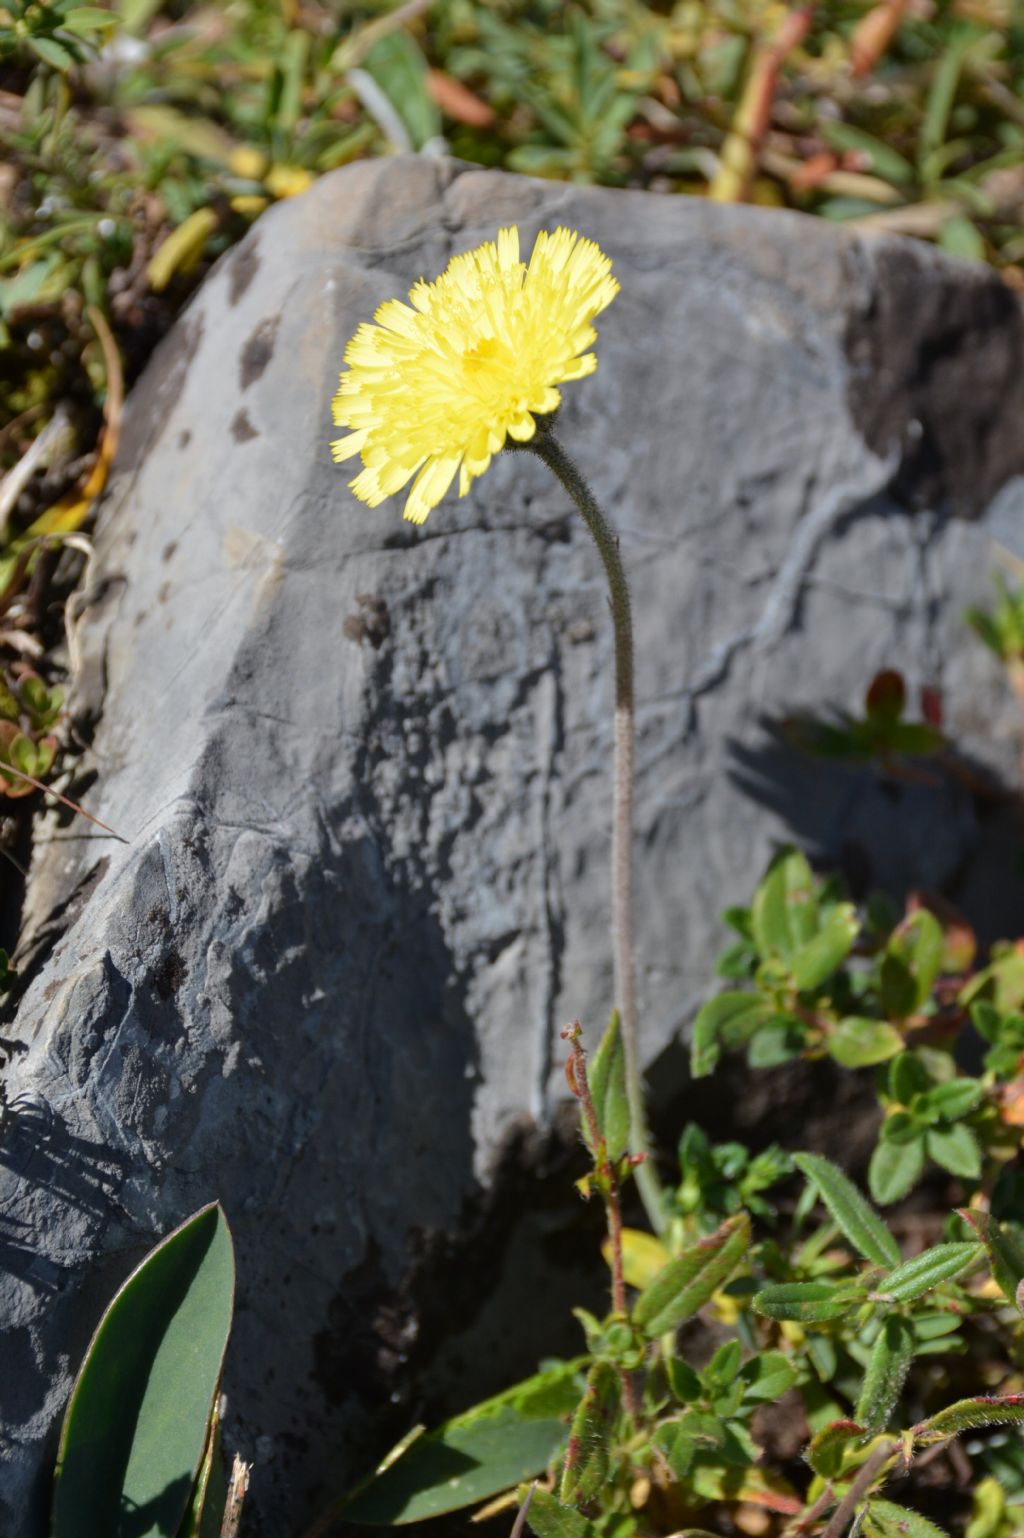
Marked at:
<point>244,266</point>
<point>371,622</point>
<point>157,392</point>
<point>164,593</point>
<point>169,550</point>
<point>131,537</point>
<point>184,438</point>
<point>169,975</point>
<point>937,373</point>
<point>242,429</point>
<point>257,352</point>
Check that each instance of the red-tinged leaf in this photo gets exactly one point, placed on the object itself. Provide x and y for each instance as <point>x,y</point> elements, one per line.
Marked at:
<point>886,696</point>
<point>826,1450</point>
<point>971,1415</point>
<point>458,101</point>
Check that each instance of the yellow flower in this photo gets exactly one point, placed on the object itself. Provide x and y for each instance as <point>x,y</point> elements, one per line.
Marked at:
<point>438,387</point>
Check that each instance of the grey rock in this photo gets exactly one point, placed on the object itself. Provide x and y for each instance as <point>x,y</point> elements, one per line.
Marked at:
<point>362,771</point>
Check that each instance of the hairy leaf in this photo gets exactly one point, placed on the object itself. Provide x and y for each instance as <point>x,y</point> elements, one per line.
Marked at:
<point>586,1464</point>
<point>688,1282</point>
<point>917,1276</point>
<point>828,1446</point>
<point>726,1021</point>
<point>859,1042</point>
<point>972,1414</point>
<point>822,955</point>
<point>808,1302</point>
<point>607,1078</point>
<point>1005,1251</point>
<point>887,1369</point>
<point>884,1519</point>
<point>894,1168</point>
<point>855,1216</point>
<point>784,915</point>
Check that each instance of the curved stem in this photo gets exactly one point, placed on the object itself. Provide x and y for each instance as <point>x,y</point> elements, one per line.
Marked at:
<point>547,448</point>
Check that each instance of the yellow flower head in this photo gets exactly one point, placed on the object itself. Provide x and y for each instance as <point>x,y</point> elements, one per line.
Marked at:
<point>439,387</point>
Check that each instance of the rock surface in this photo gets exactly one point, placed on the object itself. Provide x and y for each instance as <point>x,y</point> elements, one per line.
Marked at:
<point>363,770</point>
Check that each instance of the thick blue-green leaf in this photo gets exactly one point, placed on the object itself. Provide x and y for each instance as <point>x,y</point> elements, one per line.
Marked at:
<point>855,1216</point>
<point>480,1453</point>
<point>137,1422</point>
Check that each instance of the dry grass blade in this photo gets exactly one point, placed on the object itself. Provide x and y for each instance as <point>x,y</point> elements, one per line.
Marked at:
<point>19,774</point>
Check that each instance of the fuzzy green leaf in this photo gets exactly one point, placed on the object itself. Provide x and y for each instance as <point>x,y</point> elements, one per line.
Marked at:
<point>784,915</point>
<point>825,953</point>
<point>137,1423</point>
<point>956,1149</point>
<point>767,1377</point>
<point>884,1519</point>
<point>916,945</point>
<point>728,1020</point>
<point>808,1302</point>
<point>859,1042</point>
<point>894,1168</point>
<point>855,1216</point>
<point>687,1283</point>
<point>972,1414</point>
<point>825,1453</point>
<point>550,1518</point>
<point>607,1078</point>
<point>917,1276</point>
<point>591,1427</point>
<point>887,1369</point>
<point>1005,1252</point>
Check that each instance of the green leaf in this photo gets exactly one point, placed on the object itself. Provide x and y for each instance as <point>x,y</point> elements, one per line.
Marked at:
<point>591,1428</point>
<point>784,915</point>
<point>956,1149</point>
<point>917,1276</point>
<point>972,1414</point>
<point>607,1078</point>
<point>916,945</point>
<point>960,236</point>
<point>398,66</point>
<point>858,1042</point>
<point>1005,1252</point>
<point>884,1519</point>
<point>989,1511</point>
<point>894,1168</point>
<point>136,1424</point>
<point>206,1511</point>
<point>816,961</point>
<point>948,1101</point>
<point>887,1369</point>
<point>855,1216</point>
<point>549,1518</point>
<point>689,1281</point>
<point>53,53</point>
<point>767,1377</point>
<point>473,1456</point>
<point>886,162</point>
<point>825,1453</point>
<point>808,1302</point>
<point>726,1021</point>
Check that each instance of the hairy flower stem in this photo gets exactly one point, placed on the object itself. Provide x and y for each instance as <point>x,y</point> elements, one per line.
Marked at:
<point>576,1072</point>
<point>547,448</point>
